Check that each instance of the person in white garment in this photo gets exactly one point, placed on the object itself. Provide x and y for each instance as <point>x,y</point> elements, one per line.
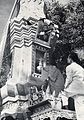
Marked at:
<point>74,84</point>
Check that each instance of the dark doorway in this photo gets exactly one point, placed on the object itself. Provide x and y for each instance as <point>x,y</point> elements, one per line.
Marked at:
<point>59,118</point>
<point>8,118</point>
<point>47,118</point>
<point>71,105</point>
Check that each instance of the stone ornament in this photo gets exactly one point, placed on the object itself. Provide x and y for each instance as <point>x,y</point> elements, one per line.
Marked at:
<point>31,8</point>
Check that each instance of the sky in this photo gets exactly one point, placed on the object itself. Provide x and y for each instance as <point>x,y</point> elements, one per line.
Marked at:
<point>5,9</point>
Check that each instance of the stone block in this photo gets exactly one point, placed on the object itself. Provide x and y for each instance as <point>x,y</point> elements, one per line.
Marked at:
<point>7,90</point>
<point>11,90</point>
<point>20,116</point>
<point>27,89</point>
<point>4,93</point>
<point>20,89</point>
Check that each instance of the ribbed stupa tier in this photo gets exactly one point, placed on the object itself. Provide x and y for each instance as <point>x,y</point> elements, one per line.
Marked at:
<point>22,33</point>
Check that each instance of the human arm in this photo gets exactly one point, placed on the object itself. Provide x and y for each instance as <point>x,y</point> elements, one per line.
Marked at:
<point>69,74</point>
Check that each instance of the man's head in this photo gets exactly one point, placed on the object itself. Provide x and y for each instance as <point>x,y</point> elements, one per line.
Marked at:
<point>73,57</point>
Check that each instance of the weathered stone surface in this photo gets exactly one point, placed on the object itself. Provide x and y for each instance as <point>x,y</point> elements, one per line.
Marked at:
<point>20,89</point>
<point>31,8</point>
<point>7,91</point>
<point>11,91</point>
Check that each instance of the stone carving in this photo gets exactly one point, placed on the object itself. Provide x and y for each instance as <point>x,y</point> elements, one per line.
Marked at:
<point>54,114</point>
<point>12,107</point>
<point>47,30</point>
<point>35,95</point>
<point>31,8</point>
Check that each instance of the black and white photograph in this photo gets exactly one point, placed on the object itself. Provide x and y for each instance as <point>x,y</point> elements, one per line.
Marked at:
<point>41,60</point>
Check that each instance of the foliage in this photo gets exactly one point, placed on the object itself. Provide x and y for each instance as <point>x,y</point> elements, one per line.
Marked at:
<point>6,62</point>
<point>70,19</point>
<point>73,28</point>
<point>55,12</point>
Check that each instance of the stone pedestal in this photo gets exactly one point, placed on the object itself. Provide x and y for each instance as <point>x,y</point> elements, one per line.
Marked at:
<point>14,98</point>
